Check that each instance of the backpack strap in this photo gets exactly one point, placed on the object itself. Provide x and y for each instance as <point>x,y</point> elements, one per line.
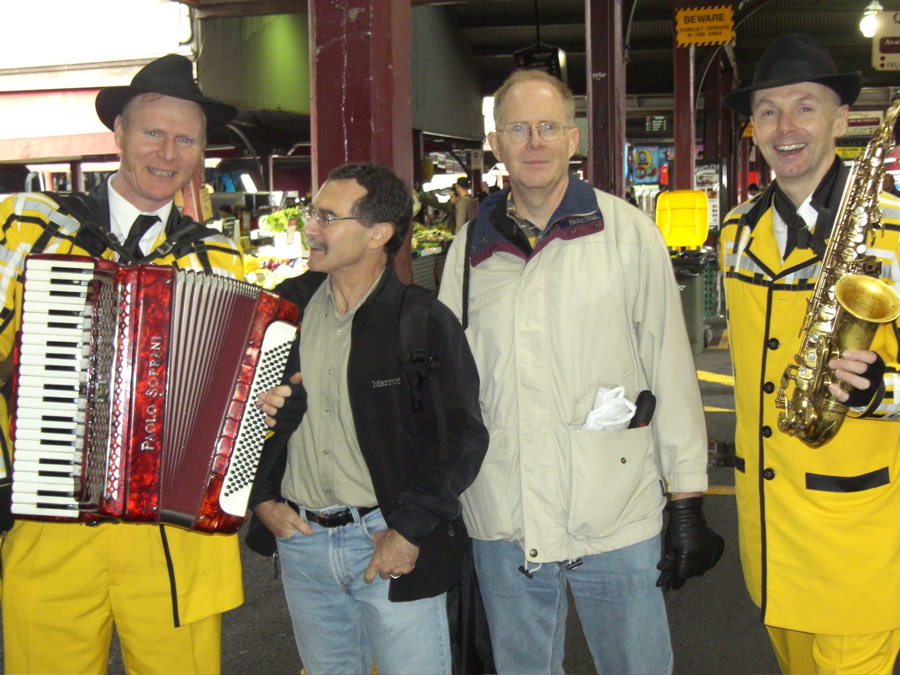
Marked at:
<point>188,233</point>
<point>418,364</point>
<point>467,268</point>
<point>93,236</point>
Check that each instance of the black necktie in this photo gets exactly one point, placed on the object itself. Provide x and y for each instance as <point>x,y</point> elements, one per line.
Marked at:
<point>798,234</point>
<point>138,229</point>
<point>797,231</point>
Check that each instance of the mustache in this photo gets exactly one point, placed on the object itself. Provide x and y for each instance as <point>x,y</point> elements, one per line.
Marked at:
<point>316,244</point>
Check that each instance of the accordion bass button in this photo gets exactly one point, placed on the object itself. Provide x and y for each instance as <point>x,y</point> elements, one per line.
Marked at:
<point>230,427</point>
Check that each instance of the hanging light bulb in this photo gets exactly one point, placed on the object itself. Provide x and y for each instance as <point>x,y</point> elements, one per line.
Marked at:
<point>870,19</point>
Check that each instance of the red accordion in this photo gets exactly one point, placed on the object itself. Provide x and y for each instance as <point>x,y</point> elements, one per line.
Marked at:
<point>134,389</point>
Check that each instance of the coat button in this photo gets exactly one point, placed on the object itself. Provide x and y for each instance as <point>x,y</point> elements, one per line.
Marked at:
<point>773,343</point>
<point>766,432</point>
<point>533,553</point>
<point>769,474</point>
<point>768,387</point>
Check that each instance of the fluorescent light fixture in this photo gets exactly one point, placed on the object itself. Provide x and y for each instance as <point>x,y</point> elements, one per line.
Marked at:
<point>247,182</point>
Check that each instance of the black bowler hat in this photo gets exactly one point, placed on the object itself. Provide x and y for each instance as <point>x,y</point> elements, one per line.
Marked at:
<point>792,59</point>
<point>170,75</point>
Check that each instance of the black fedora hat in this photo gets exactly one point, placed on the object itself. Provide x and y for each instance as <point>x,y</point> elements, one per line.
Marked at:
<point>170,75</point>
<point>792,59</point>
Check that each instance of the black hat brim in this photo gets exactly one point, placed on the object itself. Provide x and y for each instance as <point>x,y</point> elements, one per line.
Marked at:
<point>846,85</point>
<point>112,100</point>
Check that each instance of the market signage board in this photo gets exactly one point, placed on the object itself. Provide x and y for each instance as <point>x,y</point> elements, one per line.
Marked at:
<point>863,122</point>
<point>886,43</point>
<point>704,26</point>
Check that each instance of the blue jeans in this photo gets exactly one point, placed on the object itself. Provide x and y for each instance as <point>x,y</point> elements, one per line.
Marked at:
<point>341,623</point>
<point>621,609</point>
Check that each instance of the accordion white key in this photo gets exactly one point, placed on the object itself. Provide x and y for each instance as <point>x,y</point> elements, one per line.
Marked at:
<point>134,389</point>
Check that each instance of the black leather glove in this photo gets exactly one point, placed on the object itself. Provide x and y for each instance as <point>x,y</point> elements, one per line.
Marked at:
<point>860,398</point>
<point>690,547</point>
<point>288,418</point>
<point>6,519</point>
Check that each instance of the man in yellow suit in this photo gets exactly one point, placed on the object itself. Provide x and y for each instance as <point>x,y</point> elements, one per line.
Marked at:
<point>819,540</point>
<point>65,585</point>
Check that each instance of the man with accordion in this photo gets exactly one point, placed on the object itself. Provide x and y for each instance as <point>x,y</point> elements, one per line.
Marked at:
<point>65,584</point>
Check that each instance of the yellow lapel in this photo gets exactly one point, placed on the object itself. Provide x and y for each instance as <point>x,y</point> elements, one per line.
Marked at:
<point>763,245</point>
<point>765,249</point>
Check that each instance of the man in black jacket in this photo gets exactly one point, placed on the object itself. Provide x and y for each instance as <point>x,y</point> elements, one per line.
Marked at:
<point>363,495</point>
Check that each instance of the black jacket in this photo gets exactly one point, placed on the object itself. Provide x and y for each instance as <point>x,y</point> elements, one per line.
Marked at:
<point>417,489</point>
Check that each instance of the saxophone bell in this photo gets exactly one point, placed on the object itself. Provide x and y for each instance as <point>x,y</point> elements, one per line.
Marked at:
<point>846,307</point>
<point>814,415</point>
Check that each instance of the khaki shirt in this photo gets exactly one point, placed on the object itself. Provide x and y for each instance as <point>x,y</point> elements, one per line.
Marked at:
<point>325,465</point>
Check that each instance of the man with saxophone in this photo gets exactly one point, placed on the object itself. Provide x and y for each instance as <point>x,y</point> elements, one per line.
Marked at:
<point>819,541</point>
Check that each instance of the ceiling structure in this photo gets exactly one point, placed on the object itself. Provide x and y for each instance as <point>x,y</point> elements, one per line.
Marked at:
<point>495,29</point>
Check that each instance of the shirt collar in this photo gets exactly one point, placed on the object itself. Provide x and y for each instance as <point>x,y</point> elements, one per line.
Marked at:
<point>531,231</point>
<point>578,199</point>
<point>122,213</point>
<point>329,296</point>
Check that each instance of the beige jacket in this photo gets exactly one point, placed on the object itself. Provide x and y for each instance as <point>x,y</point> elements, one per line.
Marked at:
<point>595,304</point>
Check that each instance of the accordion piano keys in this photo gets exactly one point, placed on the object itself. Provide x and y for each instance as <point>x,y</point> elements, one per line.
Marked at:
<point>105,352</point>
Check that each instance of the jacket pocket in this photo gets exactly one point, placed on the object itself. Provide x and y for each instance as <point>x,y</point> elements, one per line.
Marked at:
<point>614,480</point>
<point>487,504</point>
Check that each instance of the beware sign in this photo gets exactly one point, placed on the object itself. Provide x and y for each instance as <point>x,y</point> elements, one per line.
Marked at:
<point>704,26</point>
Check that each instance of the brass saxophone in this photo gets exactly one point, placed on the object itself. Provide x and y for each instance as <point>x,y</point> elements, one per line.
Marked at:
<point>848,303</point>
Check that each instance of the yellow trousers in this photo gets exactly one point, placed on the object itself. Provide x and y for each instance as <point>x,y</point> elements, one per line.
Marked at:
<point>66,585</point>
<point>808,653</point>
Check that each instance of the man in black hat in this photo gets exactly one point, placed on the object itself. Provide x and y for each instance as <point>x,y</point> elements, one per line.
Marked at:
<point>65,585</point>
<point>820,546</point>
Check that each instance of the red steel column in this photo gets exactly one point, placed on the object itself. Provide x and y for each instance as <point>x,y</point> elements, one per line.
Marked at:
<point>360,90</point>
<point>605,95</point>
<point>685,125</point>
<point>744,170</point>
<point>77,175</point>
<point>193,206</point>
<point>712,117</point>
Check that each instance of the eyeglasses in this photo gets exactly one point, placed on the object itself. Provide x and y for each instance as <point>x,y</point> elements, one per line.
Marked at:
<point>324,219</point>
<point>518,132</point>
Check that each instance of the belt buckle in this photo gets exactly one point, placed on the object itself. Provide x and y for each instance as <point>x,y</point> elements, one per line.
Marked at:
<point>334,518</point>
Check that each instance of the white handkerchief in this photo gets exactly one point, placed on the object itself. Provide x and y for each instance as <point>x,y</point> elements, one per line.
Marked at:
<point>612,411</point>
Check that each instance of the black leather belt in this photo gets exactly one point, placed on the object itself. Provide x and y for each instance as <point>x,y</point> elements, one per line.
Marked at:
<point>331,518</point>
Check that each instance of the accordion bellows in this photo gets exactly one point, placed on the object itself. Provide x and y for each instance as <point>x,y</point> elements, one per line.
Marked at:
<point>134,389</point>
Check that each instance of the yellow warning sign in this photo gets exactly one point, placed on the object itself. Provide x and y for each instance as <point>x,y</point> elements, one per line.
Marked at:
<point>704,26</point>
<point>849,152</point>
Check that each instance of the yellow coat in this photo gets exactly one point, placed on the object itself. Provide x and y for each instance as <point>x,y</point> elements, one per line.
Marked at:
<point>814,560</point>
<point>203,571</point>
